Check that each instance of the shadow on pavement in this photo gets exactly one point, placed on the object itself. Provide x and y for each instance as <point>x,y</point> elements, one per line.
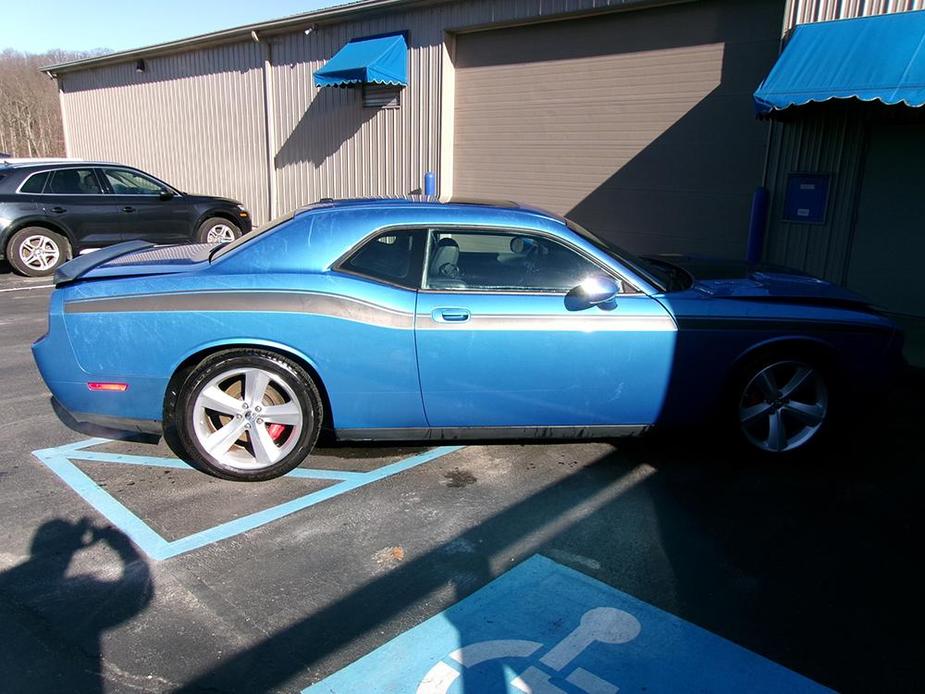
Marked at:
<point>52,621</point>
<point>813,566</point>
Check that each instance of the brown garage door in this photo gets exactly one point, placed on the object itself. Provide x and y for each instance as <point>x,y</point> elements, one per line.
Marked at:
<point>638,124</point>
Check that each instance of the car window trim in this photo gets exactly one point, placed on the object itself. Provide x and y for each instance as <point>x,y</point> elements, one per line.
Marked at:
<point>19,190</point>
<point>69,195</point>
<point>338,266</point>
<point>521,232</point>
<point>101,174</point>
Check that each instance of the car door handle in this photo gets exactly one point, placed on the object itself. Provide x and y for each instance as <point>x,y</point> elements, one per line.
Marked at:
<point>128,209</point>
<point>58,210</point>
<point>450,315</point>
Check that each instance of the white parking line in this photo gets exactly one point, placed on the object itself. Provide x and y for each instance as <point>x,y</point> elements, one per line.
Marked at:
<point>22,289</point>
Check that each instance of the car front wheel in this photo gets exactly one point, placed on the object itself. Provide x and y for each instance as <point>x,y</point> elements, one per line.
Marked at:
<point>36,251</point>
<point>217,230</point>
<point>247,415</point>
<point>783,405</point>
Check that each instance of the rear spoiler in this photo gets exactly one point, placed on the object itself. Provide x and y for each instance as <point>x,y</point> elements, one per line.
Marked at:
<point>78,267</point>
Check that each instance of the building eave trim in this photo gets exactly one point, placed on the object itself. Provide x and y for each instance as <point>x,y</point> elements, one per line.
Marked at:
<point>235,34</point>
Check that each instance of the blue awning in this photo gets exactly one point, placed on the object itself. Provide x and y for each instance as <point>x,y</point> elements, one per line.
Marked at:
<point>374,60</point>
<point>878,58</point>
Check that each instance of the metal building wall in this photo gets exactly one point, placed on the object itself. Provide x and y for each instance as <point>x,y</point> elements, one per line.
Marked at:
<point>827,141</point>
<point>807,11</point>
<point>197,118</point>
<point>329,145</point>
<point>194,119</point>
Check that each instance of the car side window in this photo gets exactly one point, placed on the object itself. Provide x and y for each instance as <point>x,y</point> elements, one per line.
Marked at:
<point>35,183</point>
<point>74,182</point>
<point>396,257</point>
<point>504,261</point>
<point>125,182</point>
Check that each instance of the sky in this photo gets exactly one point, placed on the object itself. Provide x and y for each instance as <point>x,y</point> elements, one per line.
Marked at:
<point>79,25</point>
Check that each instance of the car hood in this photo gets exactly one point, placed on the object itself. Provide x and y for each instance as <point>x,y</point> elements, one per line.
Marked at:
<point>738,279</point>
<point>196,198</point>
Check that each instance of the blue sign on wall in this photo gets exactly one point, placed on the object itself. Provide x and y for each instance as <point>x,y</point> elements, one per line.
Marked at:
<point>543,628</point>
<point>807,197</point>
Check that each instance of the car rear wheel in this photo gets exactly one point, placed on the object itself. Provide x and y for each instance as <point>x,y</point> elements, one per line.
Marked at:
<point>217,230</point>
<point>784,405</point>
<point>247,415</point>
<point>36,251</point>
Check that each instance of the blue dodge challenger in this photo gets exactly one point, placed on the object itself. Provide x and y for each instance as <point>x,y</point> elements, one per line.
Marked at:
<point>411,319</point>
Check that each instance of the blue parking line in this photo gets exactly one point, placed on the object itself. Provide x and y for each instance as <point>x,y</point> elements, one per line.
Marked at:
<point>59,460</point>
<point>139,531</point>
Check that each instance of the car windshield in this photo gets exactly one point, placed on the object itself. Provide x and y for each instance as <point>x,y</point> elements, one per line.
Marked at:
<point>223,248</point>
<point>649,271</point>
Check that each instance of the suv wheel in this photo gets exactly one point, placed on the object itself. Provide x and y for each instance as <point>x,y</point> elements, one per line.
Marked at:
<point>36,251</point>
<point>217,230</point>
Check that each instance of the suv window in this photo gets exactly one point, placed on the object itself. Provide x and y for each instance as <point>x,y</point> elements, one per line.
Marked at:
<point>125,182</point>
<point>35,183</point>
<point>74,182</point>
<point>394,256</point>
<point>504,261</point>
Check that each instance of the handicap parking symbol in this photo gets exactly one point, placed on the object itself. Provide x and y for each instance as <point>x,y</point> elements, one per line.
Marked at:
<point>599,624</point>
<point>543,628</point>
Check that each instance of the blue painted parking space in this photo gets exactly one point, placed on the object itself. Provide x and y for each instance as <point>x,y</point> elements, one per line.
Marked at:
<point>60,460</point>
<point>543,628</point>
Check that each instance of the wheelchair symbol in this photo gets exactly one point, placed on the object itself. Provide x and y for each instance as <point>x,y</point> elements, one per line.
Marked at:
<point>604,624</point>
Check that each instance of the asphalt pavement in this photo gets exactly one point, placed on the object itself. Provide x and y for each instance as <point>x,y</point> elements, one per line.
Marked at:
<point>122,570</point>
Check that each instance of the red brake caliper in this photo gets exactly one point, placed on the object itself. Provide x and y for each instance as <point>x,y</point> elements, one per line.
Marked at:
<point>276,430</point>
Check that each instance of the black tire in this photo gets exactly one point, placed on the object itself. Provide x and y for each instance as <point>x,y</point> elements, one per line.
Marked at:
<point>17,251</point>
<point>181,424</point>
<point>819,390</point>
<point>229,229</point>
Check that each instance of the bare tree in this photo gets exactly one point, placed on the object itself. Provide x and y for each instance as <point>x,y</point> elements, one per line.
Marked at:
<point>30,116</point>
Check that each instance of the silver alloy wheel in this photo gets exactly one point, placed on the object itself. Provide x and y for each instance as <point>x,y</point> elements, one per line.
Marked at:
<point>39,252</point>
<point>783,406</point>
<point>220,233</point>
<point>247,419</point>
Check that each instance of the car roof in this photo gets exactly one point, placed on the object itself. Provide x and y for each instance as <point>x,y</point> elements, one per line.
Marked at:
<point>428,201</point>
<point>18,163</point>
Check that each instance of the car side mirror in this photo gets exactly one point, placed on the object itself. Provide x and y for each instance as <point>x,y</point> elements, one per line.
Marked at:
<point>165,195</point>
<point>597,290</point>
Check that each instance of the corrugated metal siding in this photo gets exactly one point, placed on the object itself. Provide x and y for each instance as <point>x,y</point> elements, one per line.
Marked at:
<point>194,119</point>
<point>652,144</point>
<point>828,143</point>
<point>328,143</point>
<point>828,139</point>
<point>807,11</point>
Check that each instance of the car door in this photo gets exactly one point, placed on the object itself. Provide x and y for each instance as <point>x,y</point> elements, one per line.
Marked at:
<point>499,345</point>
<point>74,198</point>
<point>374,378</point>
<point>148,209</point>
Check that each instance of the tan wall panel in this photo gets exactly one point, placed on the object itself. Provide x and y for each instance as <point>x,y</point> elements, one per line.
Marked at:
<point>194,119</point>
<point>328,143</point>
<point>639,124</point>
